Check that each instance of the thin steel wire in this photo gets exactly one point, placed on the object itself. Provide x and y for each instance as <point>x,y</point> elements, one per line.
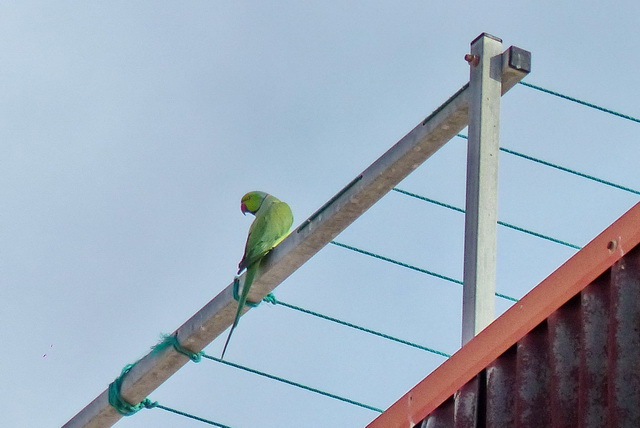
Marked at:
<point>292,383</point>
<point>272,299</point>
<point>563,168</point>
<point>501,223</point>
<point>576,100</point>
<point>190,416</point>
<point>408,266</point>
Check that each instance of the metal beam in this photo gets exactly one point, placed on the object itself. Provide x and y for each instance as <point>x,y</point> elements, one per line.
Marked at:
<point>480,243</point>
<point>309,238</point>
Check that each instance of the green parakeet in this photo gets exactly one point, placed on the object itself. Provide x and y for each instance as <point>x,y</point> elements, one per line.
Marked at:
<point>271,225</point>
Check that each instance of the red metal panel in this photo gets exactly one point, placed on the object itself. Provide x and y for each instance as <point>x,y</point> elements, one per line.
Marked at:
<point>564,353</point>
<point>624,340</point>
<point>442,417</point>
<point>567,354</point>
<point>593,353</point>
<point>501,391</point>
<point>466,404</point>
<point>533,404</point>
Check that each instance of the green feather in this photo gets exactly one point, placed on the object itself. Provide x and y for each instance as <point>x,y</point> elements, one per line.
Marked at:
<point>248,279</point>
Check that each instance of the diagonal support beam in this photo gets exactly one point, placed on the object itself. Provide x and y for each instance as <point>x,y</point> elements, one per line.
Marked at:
<point>304,242</point>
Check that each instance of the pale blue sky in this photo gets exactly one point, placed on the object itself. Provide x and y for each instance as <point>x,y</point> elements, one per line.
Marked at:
<point>130,130</point>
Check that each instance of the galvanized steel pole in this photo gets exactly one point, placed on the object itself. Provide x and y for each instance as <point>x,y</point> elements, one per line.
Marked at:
<point>478,301</point>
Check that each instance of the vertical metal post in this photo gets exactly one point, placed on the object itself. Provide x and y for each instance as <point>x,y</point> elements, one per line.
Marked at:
<point>478,307</point>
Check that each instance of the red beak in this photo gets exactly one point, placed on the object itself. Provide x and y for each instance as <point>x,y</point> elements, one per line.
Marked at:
<point>244,209</point>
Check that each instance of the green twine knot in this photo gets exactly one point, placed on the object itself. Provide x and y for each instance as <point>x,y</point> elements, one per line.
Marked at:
<point>148,404</point>
<point>270,298</point>
<point>120,404</point>
<point>172,340</point>
<point>115,397</point>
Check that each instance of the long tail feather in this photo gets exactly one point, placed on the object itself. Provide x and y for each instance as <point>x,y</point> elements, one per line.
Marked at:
<point>248,280</point>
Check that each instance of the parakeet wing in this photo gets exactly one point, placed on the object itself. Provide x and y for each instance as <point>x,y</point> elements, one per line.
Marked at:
<point>271,226</point>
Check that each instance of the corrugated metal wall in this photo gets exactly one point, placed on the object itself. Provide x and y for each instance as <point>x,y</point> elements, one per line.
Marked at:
<point>578,368</point>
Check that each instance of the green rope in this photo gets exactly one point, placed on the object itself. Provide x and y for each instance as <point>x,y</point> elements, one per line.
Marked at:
<point>584,103</point>
<point>127,409</point>
<point>408,266</point>
<point>396,262</point>
<point>292,383</point>
<point>115,397</point>
<point>432,201</point>
<point>272,299</point>
<point>565,169</point>
<point>236,294</point>
<point>172,340</point>
<point>540,235</point>
<point>187,415</point>
<point>501,223</point>
<point>120,404</point>
<point>571,171</point>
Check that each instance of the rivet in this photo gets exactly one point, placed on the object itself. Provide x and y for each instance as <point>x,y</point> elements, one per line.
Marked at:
<point>472,59</point>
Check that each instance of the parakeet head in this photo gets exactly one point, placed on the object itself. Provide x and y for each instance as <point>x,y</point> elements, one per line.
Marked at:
<point>251,202</point>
